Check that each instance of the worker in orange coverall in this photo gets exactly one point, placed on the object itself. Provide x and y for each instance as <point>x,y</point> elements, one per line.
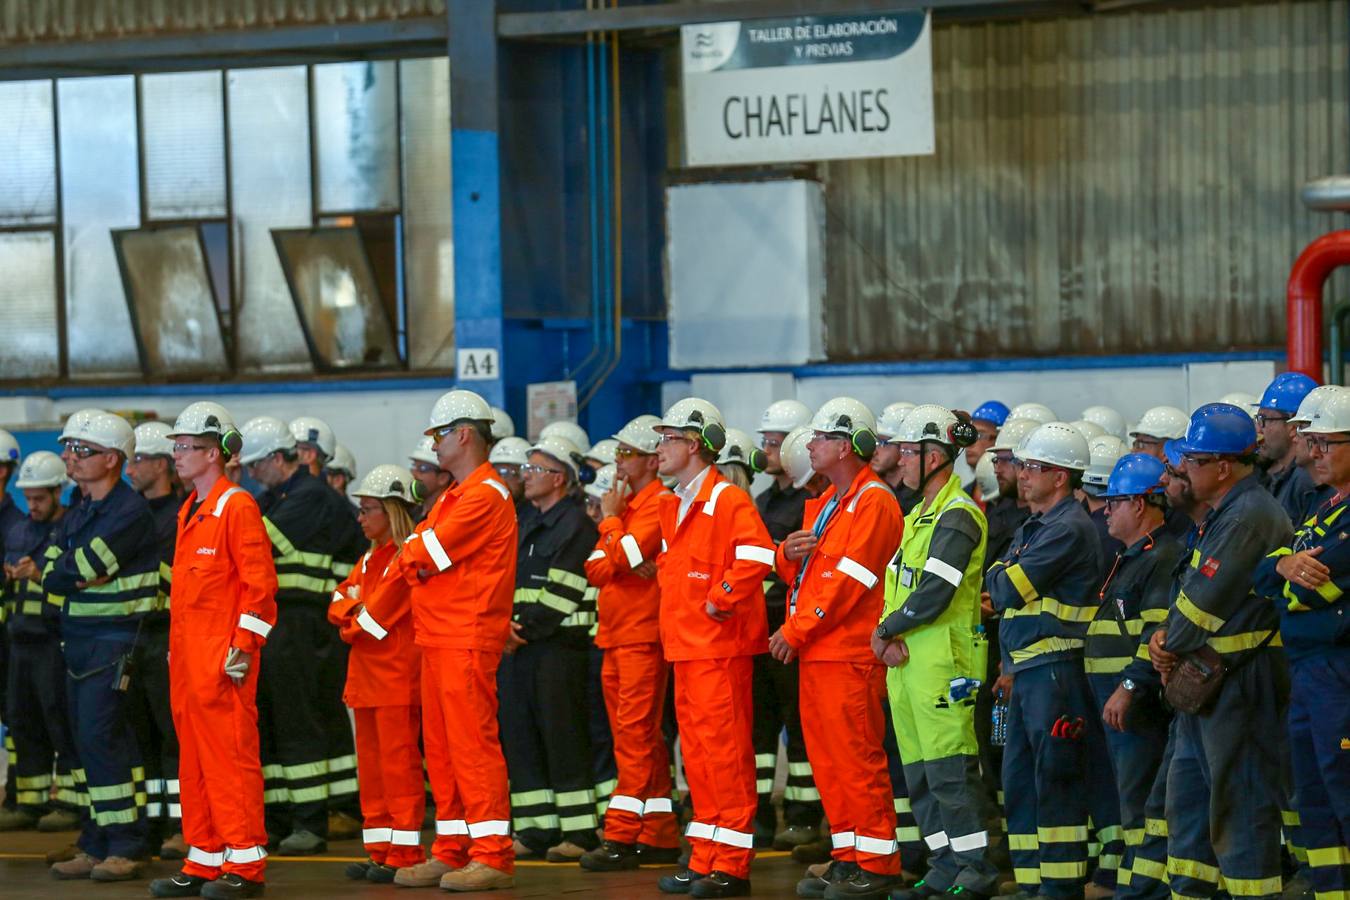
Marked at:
<point>372,611</point>
<point>224,606</point>
<point>834,567</point>
<point>716,556</point>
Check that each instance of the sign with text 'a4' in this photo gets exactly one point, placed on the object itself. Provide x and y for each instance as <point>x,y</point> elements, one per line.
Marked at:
<point>807,88</point>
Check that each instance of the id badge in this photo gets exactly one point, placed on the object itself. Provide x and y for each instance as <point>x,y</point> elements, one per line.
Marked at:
<point>906,577</point>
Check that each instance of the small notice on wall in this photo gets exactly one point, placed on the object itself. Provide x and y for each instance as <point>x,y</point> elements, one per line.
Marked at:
<point>550,401</point>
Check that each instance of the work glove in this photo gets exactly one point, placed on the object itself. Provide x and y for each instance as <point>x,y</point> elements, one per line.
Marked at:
<point>236,665</point>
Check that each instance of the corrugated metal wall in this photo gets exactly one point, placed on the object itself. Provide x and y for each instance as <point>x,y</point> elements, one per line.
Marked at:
<point>67,20</point>
<point>1115,184</point>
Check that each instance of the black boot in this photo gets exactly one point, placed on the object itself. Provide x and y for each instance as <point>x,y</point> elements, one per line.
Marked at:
<point>720,884</point>
<point>357,871</point>
<point>230,886</point>
<point>610,856</point>
<point>679,883</point>
<point>815,886</point>
<point>662,856</point>
<point>179,885</point>
<point>920,891</point>
<point>381,873</point>
<point>863,884</point>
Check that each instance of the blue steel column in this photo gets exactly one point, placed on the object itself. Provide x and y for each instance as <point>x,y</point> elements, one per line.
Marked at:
<point>475,171</point>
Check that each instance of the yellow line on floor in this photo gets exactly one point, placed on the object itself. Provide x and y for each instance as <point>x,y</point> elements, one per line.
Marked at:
<point>767,854</point>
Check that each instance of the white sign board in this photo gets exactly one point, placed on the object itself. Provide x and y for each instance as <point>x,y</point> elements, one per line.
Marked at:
<point>812,87</point>
<point>549,401</point>
<point>476,364</point>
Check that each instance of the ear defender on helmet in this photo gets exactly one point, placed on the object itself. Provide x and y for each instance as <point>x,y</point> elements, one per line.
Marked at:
<point>231,443</point>
<point>714,436</point>
<point>864,442</point>
<point>757,460</point>
<point>962,432</point>
<point>585,474</point>
<point>418,491</point>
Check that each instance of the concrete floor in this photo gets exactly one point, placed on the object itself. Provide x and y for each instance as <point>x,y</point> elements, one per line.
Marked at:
<point>24,876</point>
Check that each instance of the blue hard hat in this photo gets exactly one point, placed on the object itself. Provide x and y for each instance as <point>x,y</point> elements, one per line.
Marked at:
<point>1134,474</point>
<point>1287,391</point>
<point>1219,428</point>
<point>1172,453</point>
<point>991,411</point>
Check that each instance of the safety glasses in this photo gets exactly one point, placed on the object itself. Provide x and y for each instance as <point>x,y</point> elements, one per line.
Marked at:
<point>532,469</point>
<point>628,453</point>
<point>84,451</point>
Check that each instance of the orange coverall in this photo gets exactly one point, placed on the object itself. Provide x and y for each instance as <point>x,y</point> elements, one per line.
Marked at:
<point>832,613</point>
<point>461,563</point>
<point>635,672</point>
<point>720,553</point>
<point>223,595</point>
<point>383,691</point>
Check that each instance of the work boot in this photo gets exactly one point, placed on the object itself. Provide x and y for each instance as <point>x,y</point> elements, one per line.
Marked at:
<point>66,853</point>
<point>58,820</point>
<point>381,873</point>
<point>117,868</point>
<point>477,876</point>
<point>78,866</point>
<point>795,836</point>
<point>523,850</point>
<point>357,871</point>
<point>863,884</point>
<point>179,885</point>
<point>342,827</point>
<point>302,843</point>
<point>816,882</point>
<point>565,852</point>
<point>1094,891</point>
<point>656,856</point>
<point>427,874</point>
<point>678,883</point>
<point>610,856</point>
<point>763,836</point>
<point>814,852</point>
<point>17,820</point>
<point>720,884</point>
<point>174,848</point>
<point>921,891</point>
<point>230,886</point>
<point>1298,887</point>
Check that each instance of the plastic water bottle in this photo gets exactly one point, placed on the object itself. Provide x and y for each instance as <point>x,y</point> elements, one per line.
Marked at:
<point>998,730</point>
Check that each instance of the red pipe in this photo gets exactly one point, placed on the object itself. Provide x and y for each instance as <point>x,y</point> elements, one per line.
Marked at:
<point>1303,300</point>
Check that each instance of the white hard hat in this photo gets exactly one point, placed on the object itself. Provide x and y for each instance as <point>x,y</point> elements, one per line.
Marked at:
<point>563,450</point>
<point>984,474</point>
<point>510,451</point>
<point>105,429</point>
<point>602,451</point>
<point>1056,444</point>
<point>796,457</point>
<point>1088,429</point>
<point>42,469</point>
<point>1313,402</point>
<point>604,480</point>
<point>1103,451</point>
<point>342,461</point>
<point>425,451</point>
<point>570,430</point>
<point>203,417</point>
<point>1013,432</point>
<point>387,481</point>
<point>740,448</point>
<point>502,425</point>
<point>844,415</point>
<point>1163,422</point>
<point>262,436</point>
<point>928,422</point>
<point>1333,416</point>
<point>1249,402</point>
<point>696,414</point>
<point>312,430</point>
<point>152,439</point>
<point>640,433</point>
<point>888,423</point>
<point>458,406</point>
<point>1110,421</point>
<point>784,415</point>
<point>1037,412</point>
<point>9,448</point>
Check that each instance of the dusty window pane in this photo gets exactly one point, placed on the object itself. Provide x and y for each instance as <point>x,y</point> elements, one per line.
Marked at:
<point>175,310</point>
<point>429,248</point>
<point>30,348</point>
<point>334,289</point>
<point>28,152</point>
<point>356,136</point>
<point>269,180</point>
<point>100,192</point>
<point>183,127</point>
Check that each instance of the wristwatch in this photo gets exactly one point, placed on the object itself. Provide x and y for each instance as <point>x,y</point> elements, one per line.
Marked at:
<point>1128,684</point>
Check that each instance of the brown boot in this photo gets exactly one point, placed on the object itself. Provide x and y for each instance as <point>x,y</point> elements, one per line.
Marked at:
<point>477,876</point>
<point>68,852</point>
<point>566,852</point>
<point>78,866</point>
<point>427,874</point>
<point>116,868</point>
<point>342,827</point>
<point>174,848</point>
<point>1094,891</point>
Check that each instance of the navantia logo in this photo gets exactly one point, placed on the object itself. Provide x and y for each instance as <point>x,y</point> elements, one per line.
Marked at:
<point>704,576</point>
